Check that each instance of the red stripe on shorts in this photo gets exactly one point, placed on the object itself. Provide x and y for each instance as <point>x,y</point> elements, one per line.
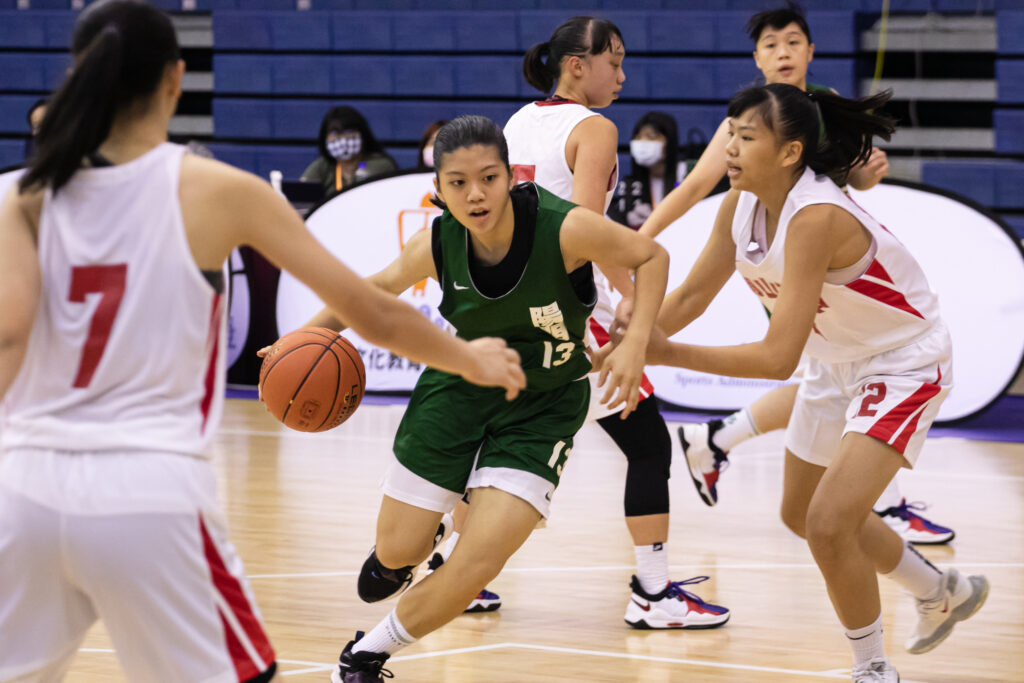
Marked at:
<point>885,428</point>
<point>211,368</point>
<point>601,337</point>
<point>231,589</point>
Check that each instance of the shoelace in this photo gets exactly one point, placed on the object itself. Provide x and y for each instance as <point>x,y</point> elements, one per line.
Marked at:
<point>675,589</point>
<point>906,510</point>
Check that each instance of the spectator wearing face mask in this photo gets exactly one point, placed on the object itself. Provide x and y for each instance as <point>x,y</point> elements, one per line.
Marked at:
<point>349,153</point>
<point>654,152</point>
<point>425,158</point>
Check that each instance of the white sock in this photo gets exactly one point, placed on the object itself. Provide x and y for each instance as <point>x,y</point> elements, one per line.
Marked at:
<point>867,642</point>
<point>736,429</point>
<point>891,496</point>
<point>919,576</point>
<point>652,567</point>
<point>449,546</point>
<point>387,636</point>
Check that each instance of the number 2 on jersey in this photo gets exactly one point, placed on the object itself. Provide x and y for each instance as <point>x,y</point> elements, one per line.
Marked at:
<point>108,282</point>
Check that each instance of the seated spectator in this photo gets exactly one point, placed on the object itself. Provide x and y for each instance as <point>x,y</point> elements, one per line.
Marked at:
<point>655,169</point>
<point>349,153</point>
<point>425,157</point>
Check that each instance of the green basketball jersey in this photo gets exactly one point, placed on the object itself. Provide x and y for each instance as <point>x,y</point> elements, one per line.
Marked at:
<point>542,317</point>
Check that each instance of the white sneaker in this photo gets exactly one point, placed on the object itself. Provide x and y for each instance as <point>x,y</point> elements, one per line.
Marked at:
<point>878,670</point>
<point>960,599</point>
<point>705,460</point>
<point>672,608</point>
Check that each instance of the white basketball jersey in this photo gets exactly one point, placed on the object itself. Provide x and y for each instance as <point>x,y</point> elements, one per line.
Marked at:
<point>127,348</point>
<point>536,136</point>
<point>883,303</point>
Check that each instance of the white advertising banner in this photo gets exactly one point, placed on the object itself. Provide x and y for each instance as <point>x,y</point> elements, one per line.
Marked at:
<point>974,266</point>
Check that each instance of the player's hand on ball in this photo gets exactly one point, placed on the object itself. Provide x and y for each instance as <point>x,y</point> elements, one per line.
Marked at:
<point>262,353</point>
<point>496,365</point>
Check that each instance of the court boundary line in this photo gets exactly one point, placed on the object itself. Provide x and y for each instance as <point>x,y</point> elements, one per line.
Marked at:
<point>315,667</point>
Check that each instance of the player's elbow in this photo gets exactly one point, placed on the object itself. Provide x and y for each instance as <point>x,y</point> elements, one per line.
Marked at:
<point>780,365</point>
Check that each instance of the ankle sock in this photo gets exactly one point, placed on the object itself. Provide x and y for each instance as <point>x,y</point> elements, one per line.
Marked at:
<point>652,567</point>
<point>867,642</point>
<point>388,636</point>
<point>919,576</point>
<point>736,429</point>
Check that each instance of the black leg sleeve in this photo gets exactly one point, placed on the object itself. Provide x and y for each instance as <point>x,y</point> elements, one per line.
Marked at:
<point>643,437</point>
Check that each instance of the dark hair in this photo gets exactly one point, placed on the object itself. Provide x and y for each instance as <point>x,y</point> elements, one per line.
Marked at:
<point>466,131</point>
<point>577,37</point>
<point>346,118</point>
<point>41,102</point>
<point>666,125</point>
<point>836,132</point>
<point>778,19</point>
<point>431,129</point>
<point>121,50</point>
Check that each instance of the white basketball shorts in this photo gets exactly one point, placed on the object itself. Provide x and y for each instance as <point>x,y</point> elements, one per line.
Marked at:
<point>893,397</point>
<point>160,572</point>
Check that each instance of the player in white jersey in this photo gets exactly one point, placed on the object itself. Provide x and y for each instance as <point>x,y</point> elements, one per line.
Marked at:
<point>112,364</point>
<point>571,150</point>
<point>840,285</point>
<point>783,51</point>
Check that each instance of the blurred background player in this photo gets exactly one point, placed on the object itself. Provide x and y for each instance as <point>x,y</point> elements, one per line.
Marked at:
<point>879,364</point>
<point>569,149</point>
<point>112,346</point>
<point>783,50</point>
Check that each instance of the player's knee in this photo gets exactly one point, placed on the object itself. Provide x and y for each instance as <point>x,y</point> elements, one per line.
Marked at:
<point>398,552</point>
<point>827,527</point>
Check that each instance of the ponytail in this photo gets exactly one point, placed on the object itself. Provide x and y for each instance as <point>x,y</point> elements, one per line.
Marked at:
<point>850,126</point>
<point>578,37</point>
<point>121,50</point>
<point>79,116</point>
<point>537,67</point>
<point>836,132</point>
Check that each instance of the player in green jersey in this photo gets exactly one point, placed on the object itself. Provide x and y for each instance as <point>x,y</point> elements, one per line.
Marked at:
<point>513,262</point>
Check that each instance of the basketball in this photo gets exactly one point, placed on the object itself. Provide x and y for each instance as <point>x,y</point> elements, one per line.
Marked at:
<point>312,379</point>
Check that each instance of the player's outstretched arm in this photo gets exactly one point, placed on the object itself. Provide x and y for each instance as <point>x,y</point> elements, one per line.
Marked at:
<point>248,211</point>
<point>415,263</point>
<point>20,282</point>
<point>712,270</point>
<point>697,185</point>
<point>811,243</point>
<point>587,236</point>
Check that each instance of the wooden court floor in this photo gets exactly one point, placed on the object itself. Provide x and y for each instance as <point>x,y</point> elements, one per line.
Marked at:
<point>302,511</point>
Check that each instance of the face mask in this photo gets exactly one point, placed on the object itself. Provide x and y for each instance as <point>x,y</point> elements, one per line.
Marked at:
<point>647,152</point>
<point>428,157</point>
<point>344,148</point>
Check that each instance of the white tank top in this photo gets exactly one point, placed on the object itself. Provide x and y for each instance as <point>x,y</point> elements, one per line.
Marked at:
<point>127,347</point>
<point>882,303</point>
<point>536,136</point>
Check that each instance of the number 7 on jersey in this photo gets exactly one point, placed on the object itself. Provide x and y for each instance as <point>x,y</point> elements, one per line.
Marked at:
<point>108,282</point>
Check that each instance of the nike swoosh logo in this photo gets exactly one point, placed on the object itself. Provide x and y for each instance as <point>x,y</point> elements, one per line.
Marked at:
<point>646,608</point>
<point>458,286</point>
<point>945,607</point>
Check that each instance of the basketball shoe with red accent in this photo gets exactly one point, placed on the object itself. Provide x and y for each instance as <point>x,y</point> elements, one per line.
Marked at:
<point>705,460</point>
<point>673,608</point>
<point>958,600</point>
<point>904,520</point>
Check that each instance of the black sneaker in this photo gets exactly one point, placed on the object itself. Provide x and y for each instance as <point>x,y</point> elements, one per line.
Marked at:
<point>360,667</point>
<point>377,582</point>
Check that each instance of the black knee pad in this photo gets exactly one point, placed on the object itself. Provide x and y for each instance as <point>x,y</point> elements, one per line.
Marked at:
<point>643,437</point>
<point>377,582</point>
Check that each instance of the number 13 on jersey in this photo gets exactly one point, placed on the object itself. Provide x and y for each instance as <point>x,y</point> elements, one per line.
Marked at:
<point>564,350</point>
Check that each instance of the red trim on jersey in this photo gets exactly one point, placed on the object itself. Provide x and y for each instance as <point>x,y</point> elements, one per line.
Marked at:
<point>883,294</point>
<point>877,271</point>
<point>211,367</point>
<point>230,589</point>
<point>551,102</point>
<point>601,337</point>
<point>885,428</point>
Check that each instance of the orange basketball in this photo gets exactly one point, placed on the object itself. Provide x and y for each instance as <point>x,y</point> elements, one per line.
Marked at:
<point>312,379</point>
